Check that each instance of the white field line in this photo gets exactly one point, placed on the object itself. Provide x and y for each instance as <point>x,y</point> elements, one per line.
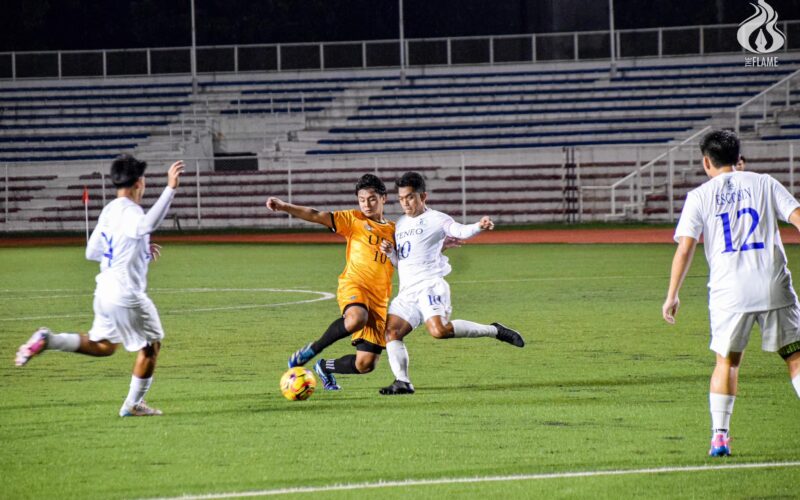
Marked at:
<point>485,479</point>
<point>183,290</point>
<point>158,291</point>
<point>574,278</point>
<point>320,296</point>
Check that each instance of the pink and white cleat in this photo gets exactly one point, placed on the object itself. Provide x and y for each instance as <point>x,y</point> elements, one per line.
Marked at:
<point>720,445</point>
<point>34,346</point>
<point>140,410</point>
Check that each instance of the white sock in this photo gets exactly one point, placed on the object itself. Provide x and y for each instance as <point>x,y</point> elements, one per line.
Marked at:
<point>796,384</point>
<point>721,406</point>
<point>67,342</point>
<point>398,359</point>
<point>468,329</point>
<point>139,387</point>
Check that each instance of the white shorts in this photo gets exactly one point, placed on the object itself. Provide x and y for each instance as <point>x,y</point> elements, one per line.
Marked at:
<point>730,331</point>
<point>134,327</point>
<point>423,301</point>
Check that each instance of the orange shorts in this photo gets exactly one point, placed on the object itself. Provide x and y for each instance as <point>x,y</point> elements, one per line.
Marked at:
<point>376,304</point>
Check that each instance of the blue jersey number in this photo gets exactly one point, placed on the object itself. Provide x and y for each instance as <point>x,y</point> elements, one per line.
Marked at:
<point>109,244</point>
<point>404,249</point>
<point>726,229</point>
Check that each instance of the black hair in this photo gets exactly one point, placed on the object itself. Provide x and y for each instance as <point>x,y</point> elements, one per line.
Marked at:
<point>369,181</point>
<point>413,180</point>
<point>721,147</point>
<point>126,170</point>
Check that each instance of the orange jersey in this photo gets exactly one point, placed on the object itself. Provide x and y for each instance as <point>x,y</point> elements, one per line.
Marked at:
<point>365,264</point>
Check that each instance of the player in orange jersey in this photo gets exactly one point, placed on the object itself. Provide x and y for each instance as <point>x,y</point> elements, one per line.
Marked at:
<point>365,285</point>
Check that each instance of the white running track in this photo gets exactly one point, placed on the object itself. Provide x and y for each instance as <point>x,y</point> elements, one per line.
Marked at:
<point>485,479</point>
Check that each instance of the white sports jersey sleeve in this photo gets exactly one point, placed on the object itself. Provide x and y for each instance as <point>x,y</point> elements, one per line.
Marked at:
<point>691,222</point>
<point>461,231</point>
<point>94,248</point>
<point>785,203</point>
<point>737,214</point>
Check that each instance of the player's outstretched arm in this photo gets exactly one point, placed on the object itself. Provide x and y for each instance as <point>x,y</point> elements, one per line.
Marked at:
<point>306,213</point>
<point>466,231</point>
<point>158,211</point>
<point>681,263</point>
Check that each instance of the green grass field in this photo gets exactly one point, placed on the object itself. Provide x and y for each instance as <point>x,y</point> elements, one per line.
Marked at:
<point>603,384</point>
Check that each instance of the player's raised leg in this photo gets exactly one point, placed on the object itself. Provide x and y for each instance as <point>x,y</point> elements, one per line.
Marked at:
<point>721,398</point>
<point>396,329</point>
<point>45,340</point>
<point>353,319</point>
<point>433,303</point>
<point>459,328</point>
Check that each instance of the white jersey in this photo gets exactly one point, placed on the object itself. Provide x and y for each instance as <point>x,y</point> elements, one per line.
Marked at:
<point>737,215</point>
<point>121,243</point>
<point>419,243</point>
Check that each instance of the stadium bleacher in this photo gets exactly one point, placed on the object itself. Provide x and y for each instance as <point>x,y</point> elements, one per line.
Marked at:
<point>487,114</point>
<point>83,122</point>
<point>528,109</point>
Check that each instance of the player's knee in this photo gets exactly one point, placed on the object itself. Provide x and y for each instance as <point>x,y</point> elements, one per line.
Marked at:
<point>152,350</point>
<point>439,331</point>
<point>102,349</point>
<point>355,319</point>
<point>728,364</point>
<point>365,366</point>
<point>393,334</point>
<point>104,352</point>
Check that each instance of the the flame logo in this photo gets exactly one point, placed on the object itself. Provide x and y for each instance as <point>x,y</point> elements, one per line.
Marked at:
<point>759,33</point>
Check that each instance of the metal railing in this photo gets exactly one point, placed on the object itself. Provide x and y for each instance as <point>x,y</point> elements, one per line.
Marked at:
<point>197,184</point>
<point>765,99</point>
<point>523,48</point>
<point>213,199</point>
<point>663,175</point>
<point>635,183</point>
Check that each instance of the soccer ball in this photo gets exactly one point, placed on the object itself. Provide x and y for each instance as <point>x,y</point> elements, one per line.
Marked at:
<point>298,384</point>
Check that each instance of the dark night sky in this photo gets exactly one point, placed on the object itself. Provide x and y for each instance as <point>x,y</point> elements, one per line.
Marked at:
<point>81,24</point>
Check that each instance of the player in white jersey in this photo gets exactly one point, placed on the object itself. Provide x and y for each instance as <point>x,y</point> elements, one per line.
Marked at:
<point>424,295</point>
<point>736,213</point>
<point>123,313</point>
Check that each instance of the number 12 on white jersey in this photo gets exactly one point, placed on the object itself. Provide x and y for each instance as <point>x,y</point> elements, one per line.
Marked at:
<point>726,229</point>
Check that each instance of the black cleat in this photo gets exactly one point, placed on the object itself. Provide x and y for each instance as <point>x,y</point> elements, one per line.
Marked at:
<point>505,334</point>
<point>397,387</point>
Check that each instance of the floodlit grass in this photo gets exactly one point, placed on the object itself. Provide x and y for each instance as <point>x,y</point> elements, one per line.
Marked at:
<point>603,383</point>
